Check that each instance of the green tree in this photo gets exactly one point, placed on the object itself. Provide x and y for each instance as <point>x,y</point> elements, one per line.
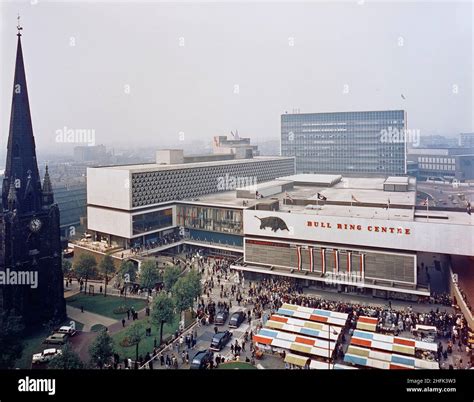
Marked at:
<point>106,268</point>
<point>67,266</point>
<point>85,267</point>
<point>149,274</point>
<point>184,293</point>
<point>194,279</point>
<point>128,267</point>
<point>135,334</point>
<point>162,311</point>
<point>11,346</point>
<point>102,349</point>
<point>67,360</point>
<point>170,277</point>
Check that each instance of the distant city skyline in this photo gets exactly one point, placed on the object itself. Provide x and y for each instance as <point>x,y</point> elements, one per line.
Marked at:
<point>154,74</point>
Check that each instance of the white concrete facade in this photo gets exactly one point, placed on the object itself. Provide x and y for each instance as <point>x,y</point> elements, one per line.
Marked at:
<point>417,236</point>
<point>109,188</point>
<point>110,221</point>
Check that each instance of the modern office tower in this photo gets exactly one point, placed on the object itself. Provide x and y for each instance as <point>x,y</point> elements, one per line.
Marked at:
<point>349,143</point>
<point>445,163</point>
<point>466,140</point>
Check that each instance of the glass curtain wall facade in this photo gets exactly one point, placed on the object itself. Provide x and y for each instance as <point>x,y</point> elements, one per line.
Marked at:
<point>150,221</point>
<point>369,143</point>
<point>221,220</point>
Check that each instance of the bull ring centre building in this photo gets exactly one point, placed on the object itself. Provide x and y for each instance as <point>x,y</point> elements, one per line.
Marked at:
<point>326,230</point>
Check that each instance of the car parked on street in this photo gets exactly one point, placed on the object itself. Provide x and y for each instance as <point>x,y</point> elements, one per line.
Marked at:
<point>236,319</point>
<point>67,330</point>
<point>56,339</point>
<point>220,340</point>
<point>201,359</point>
<point>221,317</point>
<point>46,355</point>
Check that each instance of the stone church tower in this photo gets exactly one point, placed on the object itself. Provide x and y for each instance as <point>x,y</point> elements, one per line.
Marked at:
<point>30,235</point>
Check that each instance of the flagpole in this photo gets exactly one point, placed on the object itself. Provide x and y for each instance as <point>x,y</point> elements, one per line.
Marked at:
<point>427,210</point>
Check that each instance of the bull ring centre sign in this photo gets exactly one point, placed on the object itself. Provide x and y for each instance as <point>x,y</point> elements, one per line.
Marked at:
<point>357,227</point>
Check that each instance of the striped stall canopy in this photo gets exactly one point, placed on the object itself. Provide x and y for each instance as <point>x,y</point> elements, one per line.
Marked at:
<point>296,359</point>
<point>372,363</point>
<point>317,311</point>
<point>400,361</point>
<point>392,343</point>
<point>367,323</point>
<point>304,340</point>
<point>303,323</point>
<point>339,366</point>
<point>301,361</point>
<point>296,346</point>
<point>324,316</point>
<point>361,338</point>
<point>302,330</point>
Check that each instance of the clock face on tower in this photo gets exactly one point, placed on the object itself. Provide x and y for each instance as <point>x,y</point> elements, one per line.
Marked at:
<point>35,225</point>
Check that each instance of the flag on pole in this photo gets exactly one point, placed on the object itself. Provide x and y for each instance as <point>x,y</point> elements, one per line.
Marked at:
<point>321,197</point>
<point>427,204</point>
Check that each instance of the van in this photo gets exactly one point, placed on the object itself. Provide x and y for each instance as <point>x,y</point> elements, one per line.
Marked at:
<point>67,330</point>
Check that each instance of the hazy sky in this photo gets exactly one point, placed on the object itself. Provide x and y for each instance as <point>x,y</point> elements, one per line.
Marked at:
<point>83,57</point>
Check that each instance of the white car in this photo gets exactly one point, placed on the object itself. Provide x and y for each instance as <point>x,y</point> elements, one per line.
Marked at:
<point>67,330</point>
<point>46,355</point>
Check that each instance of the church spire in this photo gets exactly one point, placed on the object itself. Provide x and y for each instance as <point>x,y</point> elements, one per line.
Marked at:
<point>21,168</point>
<point>48,197</point>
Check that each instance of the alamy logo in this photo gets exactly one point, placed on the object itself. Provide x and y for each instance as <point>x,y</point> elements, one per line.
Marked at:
<point>28,384</point>
<point>396,136</point>
<point>227,182</point>
<point>78,135</point>
<point>29,278</point>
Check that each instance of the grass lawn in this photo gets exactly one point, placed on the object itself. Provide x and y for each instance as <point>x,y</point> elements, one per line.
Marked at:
<point>237,365</point>
<point>147,343</point>
<point>34,344</point>
<point>105,306</point>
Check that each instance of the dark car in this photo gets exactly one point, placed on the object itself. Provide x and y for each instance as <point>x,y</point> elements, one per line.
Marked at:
<point>236,319</point>
<point>201,359</point>
<point>220,340</point>
<point>221,317</point>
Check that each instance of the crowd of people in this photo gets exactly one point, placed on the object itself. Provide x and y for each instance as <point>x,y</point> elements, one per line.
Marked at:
<point>151,244</point>
<point>259,299</point>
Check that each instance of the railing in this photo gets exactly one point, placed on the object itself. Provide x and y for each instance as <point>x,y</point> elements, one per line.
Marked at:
<point>456,292</point>
<point>168,346</point>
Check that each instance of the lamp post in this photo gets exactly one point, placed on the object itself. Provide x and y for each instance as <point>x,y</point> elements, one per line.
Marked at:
<point>329,345</point>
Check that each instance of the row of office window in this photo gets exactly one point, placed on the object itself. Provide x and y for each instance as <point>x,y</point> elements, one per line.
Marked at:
<point>436,160</point>
<point>435,166</point>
